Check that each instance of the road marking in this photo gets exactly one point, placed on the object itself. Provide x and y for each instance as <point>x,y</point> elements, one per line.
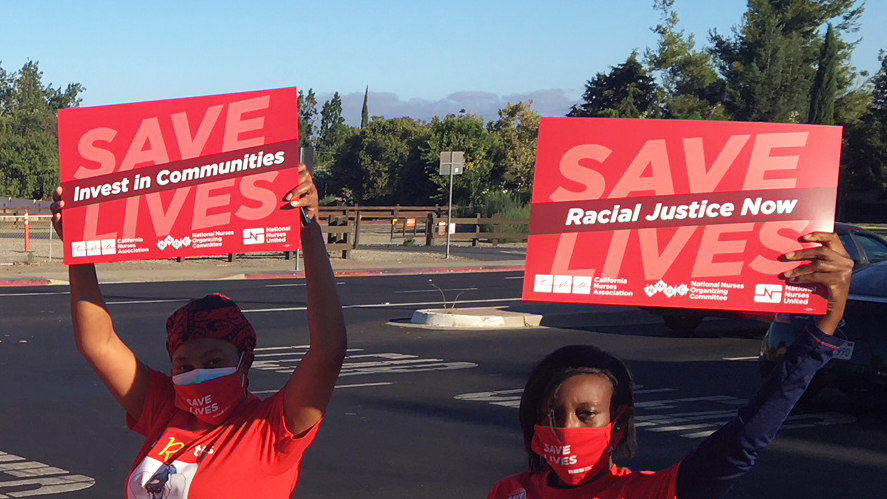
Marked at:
<point>752,357</point>
<point>694,424</point>
<point>830,452</point>
<point>434,290</point>
<point>2,295</point>
<point>654,390</point>
<point>33,478</point>
<point>505,398</point>
<point>140,302</point>
<point>363,364</point>
<point>356,385</point>
<point>361,385</point>
<point>292,285</point>
<point>290,352</point>
<point>385,305</point>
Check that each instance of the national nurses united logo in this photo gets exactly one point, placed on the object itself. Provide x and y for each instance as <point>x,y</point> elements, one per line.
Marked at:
<point>254,236</point>
<point>768,293</point>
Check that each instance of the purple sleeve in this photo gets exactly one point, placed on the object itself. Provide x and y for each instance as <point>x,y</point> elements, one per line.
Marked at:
<point>711,470</point>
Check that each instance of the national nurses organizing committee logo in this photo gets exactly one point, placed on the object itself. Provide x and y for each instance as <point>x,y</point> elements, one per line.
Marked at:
<point>254,236</point>
<point>768,293</point>
<point>171,242</point>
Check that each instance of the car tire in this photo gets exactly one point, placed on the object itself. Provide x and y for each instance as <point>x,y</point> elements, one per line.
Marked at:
<point>682,324</point>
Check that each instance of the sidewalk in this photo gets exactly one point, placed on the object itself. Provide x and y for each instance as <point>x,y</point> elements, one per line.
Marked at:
<point>379,260</point>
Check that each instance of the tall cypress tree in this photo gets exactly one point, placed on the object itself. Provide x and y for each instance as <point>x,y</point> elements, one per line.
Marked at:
<point>825,85</point>
<point>365,112</point>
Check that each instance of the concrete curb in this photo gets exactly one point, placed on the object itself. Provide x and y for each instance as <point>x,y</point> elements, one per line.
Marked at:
<point>486,317</point>
<point>509,317</point>
<point>389,271</point>
<point>26,282</point>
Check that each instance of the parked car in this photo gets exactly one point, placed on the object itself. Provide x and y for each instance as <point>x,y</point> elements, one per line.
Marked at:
<point>861,364</point>
<point>864,246</point>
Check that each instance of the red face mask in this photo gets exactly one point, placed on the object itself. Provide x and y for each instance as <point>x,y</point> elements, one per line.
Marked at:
<point>213,400</point>
<point>574,453</point>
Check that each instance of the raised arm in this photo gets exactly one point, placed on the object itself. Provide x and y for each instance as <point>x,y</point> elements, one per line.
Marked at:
<point>110,358</point>
<point>307,393</point>
<point>712,469</point>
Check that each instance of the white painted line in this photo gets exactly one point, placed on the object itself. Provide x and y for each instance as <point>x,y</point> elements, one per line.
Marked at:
<point>681,427</point>
<point>753,357</point>
<point>435,290</point>
<point>293,347</point>
<point>48,479</point>
<point>3,295</point>
<point>699,434</point>
<point>361,385</point>
<point>357,385</point>
<point>292,285</point>
<point>829,452</point>
<point>655,390</point>
<point>140,302</point>
<point>386,305</point>
<point>515,277</point>
<point>291,352</point>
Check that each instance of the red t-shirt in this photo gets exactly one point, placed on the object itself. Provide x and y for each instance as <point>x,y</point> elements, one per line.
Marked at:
<point>251,454</point>
<point>621,483</point>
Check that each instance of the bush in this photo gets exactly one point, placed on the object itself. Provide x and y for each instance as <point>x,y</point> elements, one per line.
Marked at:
<point>501,203</point>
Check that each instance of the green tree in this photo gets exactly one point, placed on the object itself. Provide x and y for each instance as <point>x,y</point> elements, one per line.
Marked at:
<point>627,91</point>
<point>769,63</point>
<point>333,130</point>
<point>484,167</point>
<point>307,117</point>
<point>825,85</point>
<point>382,164</point>
<point>517,129</point>
<point>29,131</point>
<point>864,169</point>
<point>690,86</point>
<point>365,110</point>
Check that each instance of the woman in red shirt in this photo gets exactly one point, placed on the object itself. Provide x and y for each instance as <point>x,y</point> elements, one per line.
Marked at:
<point>577,410</point>
<point>206,434</point>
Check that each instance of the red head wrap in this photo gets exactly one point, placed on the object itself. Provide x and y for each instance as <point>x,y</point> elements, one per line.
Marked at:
<point>213,316</point>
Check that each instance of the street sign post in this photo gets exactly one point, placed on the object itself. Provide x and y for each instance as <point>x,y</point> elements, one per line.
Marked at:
<point>451,163</point>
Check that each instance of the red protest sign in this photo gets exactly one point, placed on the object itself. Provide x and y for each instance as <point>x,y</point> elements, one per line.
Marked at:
<point>180,177</point>
<point>677,213</point>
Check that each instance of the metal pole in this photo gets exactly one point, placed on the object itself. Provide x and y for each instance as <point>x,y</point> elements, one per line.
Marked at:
<point>450,208</point>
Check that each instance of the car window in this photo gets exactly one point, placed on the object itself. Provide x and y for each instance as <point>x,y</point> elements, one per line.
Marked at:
<point>850,246</point>
<point>874,248</point>
<point>870,282</point>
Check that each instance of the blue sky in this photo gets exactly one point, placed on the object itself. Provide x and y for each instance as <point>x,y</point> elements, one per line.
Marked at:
<point>418,58</point>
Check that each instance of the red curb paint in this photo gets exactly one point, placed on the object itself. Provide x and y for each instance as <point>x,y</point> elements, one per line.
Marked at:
<point>24,282</point>
<point>406,271</point>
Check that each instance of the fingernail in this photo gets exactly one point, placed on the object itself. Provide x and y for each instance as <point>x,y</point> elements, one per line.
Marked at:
<point>294,203</point>
<point>288,197</point>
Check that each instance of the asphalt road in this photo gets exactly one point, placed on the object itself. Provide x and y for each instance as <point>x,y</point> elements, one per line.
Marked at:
<point>418,413</point>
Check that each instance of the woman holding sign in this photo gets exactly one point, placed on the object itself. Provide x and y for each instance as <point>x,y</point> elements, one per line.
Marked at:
<point>206,434</point>
<point>577,410</point>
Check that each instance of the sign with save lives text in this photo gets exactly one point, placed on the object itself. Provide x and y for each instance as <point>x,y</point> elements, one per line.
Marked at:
<point>180,177</point>
<point>675,213</point>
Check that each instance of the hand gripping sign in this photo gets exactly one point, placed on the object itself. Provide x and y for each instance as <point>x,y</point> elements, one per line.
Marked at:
<point>180,177</point>
<point>677,213</point>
